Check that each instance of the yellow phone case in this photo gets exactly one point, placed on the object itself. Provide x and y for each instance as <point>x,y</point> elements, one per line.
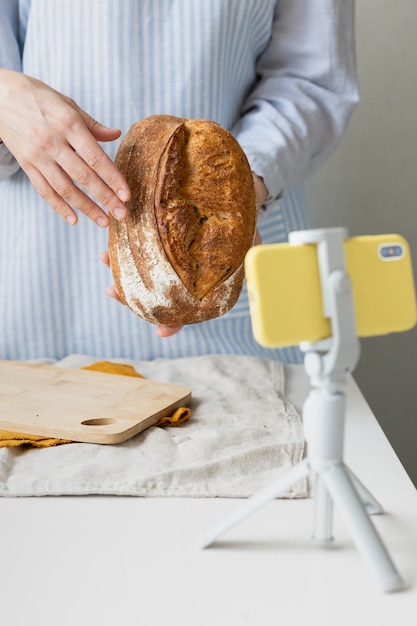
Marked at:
<point>285,293</point>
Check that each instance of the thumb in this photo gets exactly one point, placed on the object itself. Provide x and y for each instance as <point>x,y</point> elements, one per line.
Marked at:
<point>167,331</point>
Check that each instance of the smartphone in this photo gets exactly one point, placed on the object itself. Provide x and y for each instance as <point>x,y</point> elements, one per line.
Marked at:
<point>285,297</point>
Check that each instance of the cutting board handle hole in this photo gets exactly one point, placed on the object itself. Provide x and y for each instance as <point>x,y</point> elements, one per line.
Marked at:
<point>99,421</point>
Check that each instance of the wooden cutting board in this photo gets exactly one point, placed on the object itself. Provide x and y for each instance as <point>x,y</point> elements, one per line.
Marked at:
<point>82,405</point>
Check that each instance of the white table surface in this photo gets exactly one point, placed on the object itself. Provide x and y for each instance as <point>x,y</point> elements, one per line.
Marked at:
<point>113,561</point>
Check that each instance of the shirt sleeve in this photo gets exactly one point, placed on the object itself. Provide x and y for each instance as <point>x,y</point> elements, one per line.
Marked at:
<point>10,58</point>
<point>305,94</point>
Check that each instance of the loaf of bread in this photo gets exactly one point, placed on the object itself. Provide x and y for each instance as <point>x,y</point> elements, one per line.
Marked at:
<point>177,258</point>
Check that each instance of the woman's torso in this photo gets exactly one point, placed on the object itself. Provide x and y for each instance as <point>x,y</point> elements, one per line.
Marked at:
<point>120,60</point>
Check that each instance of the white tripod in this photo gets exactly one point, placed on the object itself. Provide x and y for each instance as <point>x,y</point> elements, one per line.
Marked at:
<point>327,363</point>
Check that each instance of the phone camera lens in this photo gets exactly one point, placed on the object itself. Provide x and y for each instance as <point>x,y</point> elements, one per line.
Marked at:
<point>393,251</point>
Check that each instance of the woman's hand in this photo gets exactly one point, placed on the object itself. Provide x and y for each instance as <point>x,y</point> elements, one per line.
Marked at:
<point>56,144</point>
<point>261,194</point>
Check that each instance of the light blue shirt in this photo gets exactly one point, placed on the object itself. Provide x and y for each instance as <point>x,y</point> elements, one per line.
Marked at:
<point>280,75</point>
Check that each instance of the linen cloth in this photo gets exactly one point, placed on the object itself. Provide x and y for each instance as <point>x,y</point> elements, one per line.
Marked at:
<point>243,434</point>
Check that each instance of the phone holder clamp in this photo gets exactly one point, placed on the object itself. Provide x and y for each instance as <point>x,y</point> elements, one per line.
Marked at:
<point>327,364</point>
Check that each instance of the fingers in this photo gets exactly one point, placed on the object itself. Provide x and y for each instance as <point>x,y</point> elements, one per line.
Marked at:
<point>74,168</point>
<point>46,192</point>
<point>56,144</point>
<point>105,258</point>
<point>90,167</point>
<point>77,163</point>
<point>261,191</point>
<point>111,291</point>
<point>61,194</point>
<point>167,331</point>
<point>88,182</point>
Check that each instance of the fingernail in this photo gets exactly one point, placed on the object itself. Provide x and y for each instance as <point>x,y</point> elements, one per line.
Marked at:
<point>123,195</point>
<point>71,219</point>
<point>102,221</point>
<point>119,213</point>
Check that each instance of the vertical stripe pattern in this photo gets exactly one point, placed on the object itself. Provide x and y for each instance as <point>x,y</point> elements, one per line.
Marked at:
<point>122,60</point>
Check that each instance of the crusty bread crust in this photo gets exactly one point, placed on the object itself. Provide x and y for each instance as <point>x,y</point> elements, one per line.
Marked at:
<point>177,258</point>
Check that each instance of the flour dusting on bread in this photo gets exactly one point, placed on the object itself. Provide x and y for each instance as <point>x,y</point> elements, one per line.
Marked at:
<point>178,256</point>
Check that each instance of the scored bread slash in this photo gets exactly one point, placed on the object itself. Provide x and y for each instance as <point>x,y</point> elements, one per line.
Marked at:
<point>177,258</point>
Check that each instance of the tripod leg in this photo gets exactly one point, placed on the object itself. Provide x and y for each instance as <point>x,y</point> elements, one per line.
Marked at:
<point>368,542</point>
<point>254,503</point>
<point>323,513</point>
<point>372,505</point>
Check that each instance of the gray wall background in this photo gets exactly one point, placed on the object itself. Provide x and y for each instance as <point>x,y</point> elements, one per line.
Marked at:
<point>370,186</point>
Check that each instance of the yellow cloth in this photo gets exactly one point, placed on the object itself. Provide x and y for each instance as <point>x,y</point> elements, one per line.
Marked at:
<point>113,368</point>
<point>10,439</point>
<point>179,416</point>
